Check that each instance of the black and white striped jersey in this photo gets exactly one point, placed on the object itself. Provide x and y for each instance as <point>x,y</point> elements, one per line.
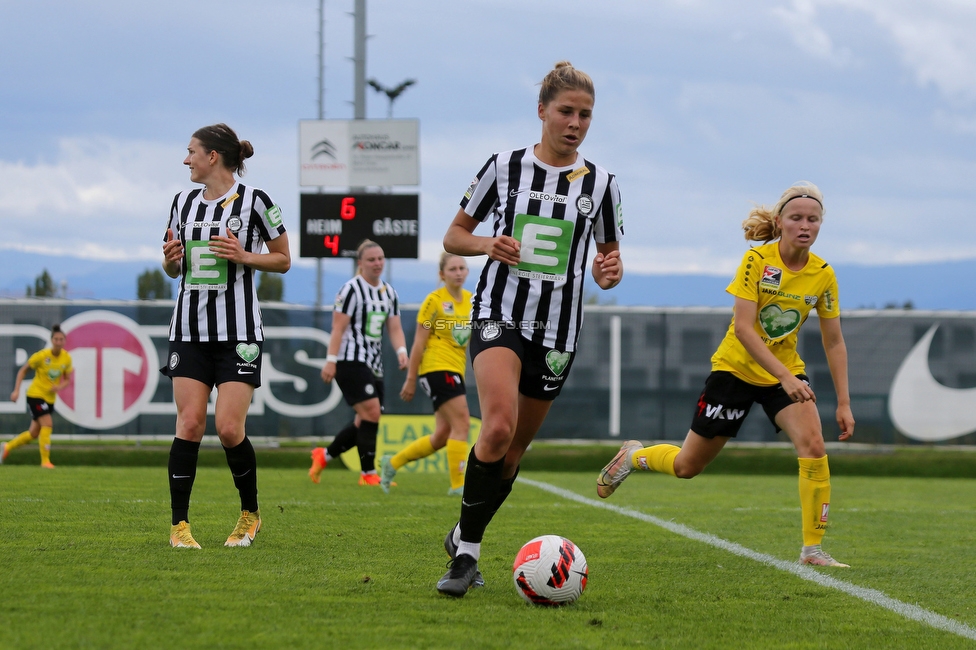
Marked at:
<point>368,307</point>
<point>553,212</point>
<point>217,298</point>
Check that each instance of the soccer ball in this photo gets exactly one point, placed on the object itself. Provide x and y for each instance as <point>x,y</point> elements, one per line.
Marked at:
<point>550,570</point>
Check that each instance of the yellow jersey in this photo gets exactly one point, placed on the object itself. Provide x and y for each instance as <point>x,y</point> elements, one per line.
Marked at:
<point>449,322</point>
<point>48,373</point>
<point>785,299</point>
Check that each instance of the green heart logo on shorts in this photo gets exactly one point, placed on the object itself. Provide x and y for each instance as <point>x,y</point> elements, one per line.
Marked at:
<point>461,335</point>
<point>778,323</point>
<point>557,361</point>
<point>248,351</point>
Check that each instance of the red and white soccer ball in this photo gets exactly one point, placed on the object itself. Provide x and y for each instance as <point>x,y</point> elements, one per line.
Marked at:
<point>550,570</point>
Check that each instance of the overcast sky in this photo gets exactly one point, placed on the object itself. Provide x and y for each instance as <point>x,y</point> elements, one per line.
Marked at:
<point>702,108</point>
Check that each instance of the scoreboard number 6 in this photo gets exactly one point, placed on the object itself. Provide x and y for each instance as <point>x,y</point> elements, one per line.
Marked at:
<point>347,208</point>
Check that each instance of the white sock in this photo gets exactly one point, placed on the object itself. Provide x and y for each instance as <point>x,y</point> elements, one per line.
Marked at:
<point>469,548</point>
<point>456,535</point>
<point>328,457</point>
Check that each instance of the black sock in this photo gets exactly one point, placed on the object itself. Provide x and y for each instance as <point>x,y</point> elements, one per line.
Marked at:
<point>182,470</point>
<point>366,441</point>
<point>244,468</point>
<point>344,440</point>
<point>504,489</point>
<point>482,482</point>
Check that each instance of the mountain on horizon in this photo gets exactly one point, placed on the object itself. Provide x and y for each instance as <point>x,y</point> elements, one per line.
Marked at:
<point>933,286</point>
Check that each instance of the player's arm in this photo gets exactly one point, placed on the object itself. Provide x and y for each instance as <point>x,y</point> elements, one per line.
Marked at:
<point>20,378</point>
<point>745,318</point>
<point>608,268</point>
<point>172,255</point>
<point>276,260</point>
<point>398,340</point>
<point>836,351</point>
<point>461,240</point>
<point>340,322</point>
<point>420,339</point>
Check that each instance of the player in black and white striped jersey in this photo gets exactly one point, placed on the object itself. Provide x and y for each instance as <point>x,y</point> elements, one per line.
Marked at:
<point>556,210</point>
<point>214,243</point>
<point>546,203</point>
<point>364,305</point>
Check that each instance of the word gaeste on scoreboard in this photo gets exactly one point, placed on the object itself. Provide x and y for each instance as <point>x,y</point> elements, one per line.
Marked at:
<point>333,225</point>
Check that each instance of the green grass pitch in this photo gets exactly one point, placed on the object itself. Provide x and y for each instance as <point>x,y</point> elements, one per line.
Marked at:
<point>85,563</point>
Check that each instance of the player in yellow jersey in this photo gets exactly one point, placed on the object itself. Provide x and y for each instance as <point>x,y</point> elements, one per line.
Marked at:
<point>776,287</point>
<point>443,331</point>
<point>52,372</point>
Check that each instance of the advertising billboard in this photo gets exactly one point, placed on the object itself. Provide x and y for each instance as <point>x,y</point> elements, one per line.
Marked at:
<point>359,153</point>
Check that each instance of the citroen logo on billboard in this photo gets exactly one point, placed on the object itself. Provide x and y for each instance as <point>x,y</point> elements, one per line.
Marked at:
<point>324,148</point>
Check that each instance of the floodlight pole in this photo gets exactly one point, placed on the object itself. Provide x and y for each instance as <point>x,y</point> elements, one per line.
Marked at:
<point>318,260</point>
<point>359,60</point>
<point>359,74</point>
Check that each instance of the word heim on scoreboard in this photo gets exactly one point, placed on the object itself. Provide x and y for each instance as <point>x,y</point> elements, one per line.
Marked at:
<point>333,225</point>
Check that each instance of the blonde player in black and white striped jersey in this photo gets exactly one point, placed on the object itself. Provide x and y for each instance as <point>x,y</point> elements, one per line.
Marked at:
<point>364,306</point>
<point>214,243</point>
<point>546,203</point>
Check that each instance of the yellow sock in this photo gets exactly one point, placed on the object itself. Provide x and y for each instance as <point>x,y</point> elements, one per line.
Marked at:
<point>457,456</point>
<point>417,449</point>
<point>44,439</point>
<point>814,498</point>
<point>659,458</point>
<point>20,440</point>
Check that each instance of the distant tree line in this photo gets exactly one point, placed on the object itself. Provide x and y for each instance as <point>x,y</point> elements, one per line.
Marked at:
<point>45,287</point>
<point>152,284</point>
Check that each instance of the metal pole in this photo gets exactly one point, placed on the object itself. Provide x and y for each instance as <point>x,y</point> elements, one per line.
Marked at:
<point>615,376</point>
<point>359,60</point>
<point>359,73</point>
<point>318,260</point>
<point>662,375</point>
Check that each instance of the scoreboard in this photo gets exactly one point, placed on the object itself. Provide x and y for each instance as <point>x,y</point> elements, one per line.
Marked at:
<point>333,225</point>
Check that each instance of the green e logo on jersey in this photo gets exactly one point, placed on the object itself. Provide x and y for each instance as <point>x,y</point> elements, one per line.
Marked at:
<point>545,247</point>
<point>374,324</point>
<point>206,270</point>
<point>273,216</point>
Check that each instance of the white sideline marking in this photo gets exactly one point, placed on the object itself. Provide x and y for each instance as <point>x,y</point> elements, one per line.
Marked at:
<point>873,596</point>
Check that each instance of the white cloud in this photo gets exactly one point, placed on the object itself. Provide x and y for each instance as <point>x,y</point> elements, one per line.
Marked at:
<point>935,39</point>
<point>808,35</point>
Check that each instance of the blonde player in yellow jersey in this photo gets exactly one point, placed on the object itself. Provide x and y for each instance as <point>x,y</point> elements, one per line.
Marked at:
<point>52,372</point>
<point>443,331</point>
<point>776,287</point>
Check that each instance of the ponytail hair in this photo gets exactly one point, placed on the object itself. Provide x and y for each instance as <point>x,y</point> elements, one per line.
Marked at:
<point>564,77</point>
<point>761,224</point>
<point>222,139</point>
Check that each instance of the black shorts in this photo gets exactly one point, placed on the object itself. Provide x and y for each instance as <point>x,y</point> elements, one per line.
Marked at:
<point>442,385</point>
<point>358,383</point>
<point>726,400</point>
<point>215,363</point>
<point>39,407</point>
<point>544,370</point>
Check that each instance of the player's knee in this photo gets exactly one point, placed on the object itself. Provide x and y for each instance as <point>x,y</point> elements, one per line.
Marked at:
<point>230,433</point>
<point>687,470</point>
<point>191,425</point>
<point>811,446</point>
